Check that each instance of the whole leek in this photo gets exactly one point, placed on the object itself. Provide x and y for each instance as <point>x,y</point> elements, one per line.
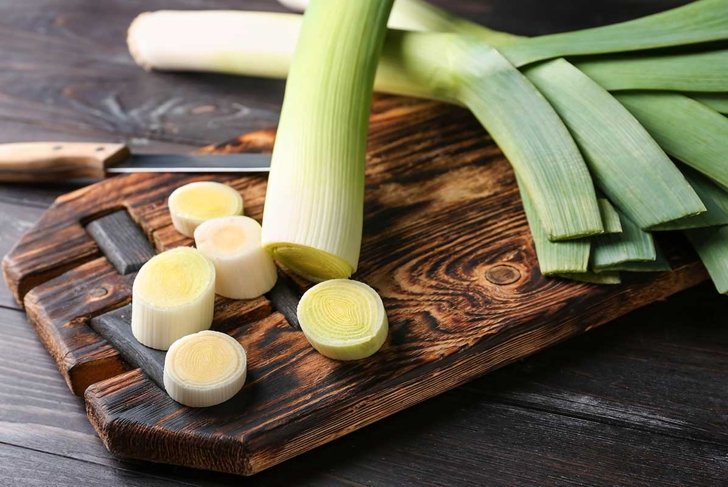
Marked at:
<point>314,206</point>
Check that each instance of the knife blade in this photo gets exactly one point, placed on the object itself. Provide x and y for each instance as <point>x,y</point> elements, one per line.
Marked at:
<point>243,162</point>
<point>58,161</point>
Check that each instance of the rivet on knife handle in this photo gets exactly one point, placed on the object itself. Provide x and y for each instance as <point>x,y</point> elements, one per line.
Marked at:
<point>32,162</point>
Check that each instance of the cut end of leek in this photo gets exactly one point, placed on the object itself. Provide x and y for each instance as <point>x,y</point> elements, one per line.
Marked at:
<point>204,369</point>
<point>310,263</point>
<point>194,203</point>
<point>138,30</point>
<point>243,269</point>
<point>173,295</point>
<point>343,319</point>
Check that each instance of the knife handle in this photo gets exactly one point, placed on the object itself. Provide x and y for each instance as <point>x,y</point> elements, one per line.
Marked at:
<point>32,162</point>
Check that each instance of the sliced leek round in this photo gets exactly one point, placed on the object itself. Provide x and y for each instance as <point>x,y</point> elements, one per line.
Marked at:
<point>204,369</point>
<point>173,295</point>
<point>343,319</point>
<point>194,203</point>
<point>243,269</point>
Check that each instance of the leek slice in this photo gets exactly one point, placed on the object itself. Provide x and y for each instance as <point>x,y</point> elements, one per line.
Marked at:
<point>633,244</point>
<point>173,295</point>
<point>314,205</point>
<point>193,203</point>
<point>554,258</point>
<point>343,319</point>
<point>243,269</point>
<point>204,369</point>
<point>685,129</point>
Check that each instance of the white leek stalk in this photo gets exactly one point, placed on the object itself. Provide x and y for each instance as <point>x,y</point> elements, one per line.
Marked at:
<point>314,205</point>
<point>193,203</point>
<point>173,295</point>
<point>204,369</point>
<point>208,40</point>
<point>343,319</point>
<point>243,269</point>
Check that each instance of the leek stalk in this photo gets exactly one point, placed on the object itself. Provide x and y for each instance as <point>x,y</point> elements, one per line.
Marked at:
<point>312,222</point>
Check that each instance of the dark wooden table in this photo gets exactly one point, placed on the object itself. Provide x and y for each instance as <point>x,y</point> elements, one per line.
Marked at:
<point>642,401</point>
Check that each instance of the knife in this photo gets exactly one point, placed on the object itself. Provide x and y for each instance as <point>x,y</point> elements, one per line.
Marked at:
<point>56,161</point>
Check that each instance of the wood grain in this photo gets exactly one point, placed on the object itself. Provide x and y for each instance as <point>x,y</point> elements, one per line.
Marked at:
<point>60,315</point>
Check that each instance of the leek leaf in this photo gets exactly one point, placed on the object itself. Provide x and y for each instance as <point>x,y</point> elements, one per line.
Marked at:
<point>685,129</point>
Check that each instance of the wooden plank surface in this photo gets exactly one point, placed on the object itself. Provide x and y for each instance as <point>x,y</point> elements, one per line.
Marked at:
<point>478,434</point>
<point>443,225</point>
<point>27,405</point>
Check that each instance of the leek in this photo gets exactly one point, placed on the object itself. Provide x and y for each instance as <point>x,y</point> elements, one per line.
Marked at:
<point>660,264</point>
<point>714,198</point>
<point>685,128</point>
<point>711,244</point>
<point>626,163</point>
<point>716,101</point>
<point>408,68</point>
<point>610,216</point>
<point>691,71</point>
<point>554,258</point>
<point>314,205</point>
<point>607,277</point>
<point>698,22</point>
<point>633,244</point>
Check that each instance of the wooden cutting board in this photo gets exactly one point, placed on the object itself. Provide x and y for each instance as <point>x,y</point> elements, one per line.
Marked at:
<point>445,243</point>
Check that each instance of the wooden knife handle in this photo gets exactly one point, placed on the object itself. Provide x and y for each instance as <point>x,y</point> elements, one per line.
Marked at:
<point>32,162</point>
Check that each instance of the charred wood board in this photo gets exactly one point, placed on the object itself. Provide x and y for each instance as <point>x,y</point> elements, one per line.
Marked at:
<point>446,244</point>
